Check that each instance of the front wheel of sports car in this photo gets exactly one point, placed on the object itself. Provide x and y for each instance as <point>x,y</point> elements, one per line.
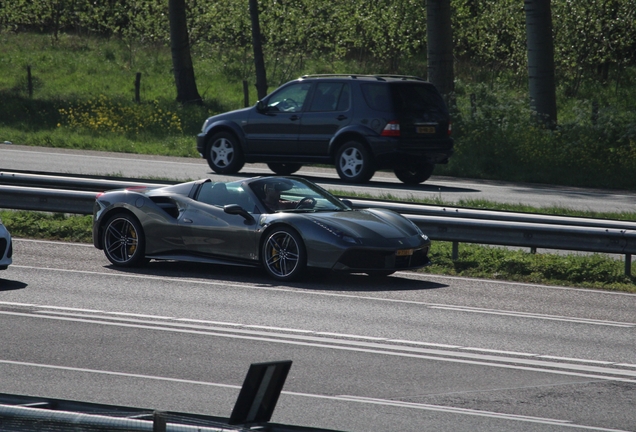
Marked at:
<point>123,240</point>
<point>283,254</point>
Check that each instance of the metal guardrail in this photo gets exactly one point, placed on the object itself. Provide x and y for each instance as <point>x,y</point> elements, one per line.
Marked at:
<point>28,191</point>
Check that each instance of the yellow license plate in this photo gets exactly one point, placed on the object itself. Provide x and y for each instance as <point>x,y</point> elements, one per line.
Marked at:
<point>425,130</point>
<point>404,252</point>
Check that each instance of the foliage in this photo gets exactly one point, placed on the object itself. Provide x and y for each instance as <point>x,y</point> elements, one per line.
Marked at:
<point>102,114</point>
<point>497,138</point>
<point>590,36</point>
<point>592,271</point>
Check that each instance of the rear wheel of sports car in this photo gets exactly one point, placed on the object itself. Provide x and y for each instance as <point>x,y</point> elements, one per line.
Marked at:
<point>354,163</point>
<point>123,240</point>
<point>284,168</point>
<point>415,174</point>
<point>283,254</point>
<point>224,154</point>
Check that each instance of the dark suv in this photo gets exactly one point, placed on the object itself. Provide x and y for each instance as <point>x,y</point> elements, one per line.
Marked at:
<point>359,123</point>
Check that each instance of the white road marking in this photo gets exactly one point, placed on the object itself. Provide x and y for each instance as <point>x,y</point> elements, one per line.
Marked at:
<point>264,287</point>
<point>385,346</point>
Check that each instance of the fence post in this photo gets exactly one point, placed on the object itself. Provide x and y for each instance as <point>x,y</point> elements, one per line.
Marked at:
<point>473,105</point>
<point>159,423</point>
<point>455,253</point>
<point>246,94</point>
<point>29,82</point>
<point>137,86</point>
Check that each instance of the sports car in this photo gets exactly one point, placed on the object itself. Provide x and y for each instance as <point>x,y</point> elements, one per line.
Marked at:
<point>283,224</point>
<point>6,247</point>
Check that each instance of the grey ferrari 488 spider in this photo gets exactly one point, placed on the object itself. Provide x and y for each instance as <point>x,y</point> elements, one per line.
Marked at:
<point>284,224</point>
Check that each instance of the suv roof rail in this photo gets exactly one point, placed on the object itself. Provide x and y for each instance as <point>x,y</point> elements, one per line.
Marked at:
<point>378,77</point>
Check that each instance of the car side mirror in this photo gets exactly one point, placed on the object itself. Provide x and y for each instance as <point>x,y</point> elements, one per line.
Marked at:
<point>235,209</point>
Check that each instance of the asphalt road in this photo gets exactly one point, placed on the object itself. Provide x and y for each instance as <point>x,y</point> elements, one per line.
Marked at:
<point>410,353</point>
<point>451,190</point>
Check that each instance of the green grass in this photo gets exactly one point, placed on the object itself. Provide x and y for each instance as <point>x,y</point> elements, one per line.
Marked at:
<point>84,90</point>
<point>47,226</point>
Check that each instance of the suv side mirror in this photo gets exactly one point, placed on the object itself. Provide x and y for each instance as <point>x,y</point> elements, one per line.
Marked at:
<point>261,106</point>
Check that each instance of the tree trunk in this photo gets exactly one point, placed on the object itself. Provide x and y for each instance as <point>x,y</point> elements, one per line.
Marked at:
<point>259,62</point>
<point>439,42</point>
<point>541,79</point>
<point>181,59</point>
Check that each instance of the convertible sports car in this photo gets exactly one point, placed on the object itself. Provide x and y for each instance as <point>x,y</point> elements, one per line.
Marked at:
<point>6,248</point>
<point>284,224</point>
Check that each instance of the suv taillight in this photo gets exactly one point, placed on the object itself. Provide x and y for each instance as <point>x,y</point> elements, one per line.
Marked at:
<point>392,129</point>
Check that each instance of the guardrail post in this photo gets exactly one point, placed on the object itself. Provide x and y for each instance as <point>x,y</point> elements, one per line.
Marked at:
<point>628,264</point>
<point>159,423</point>
<point>455,254</point>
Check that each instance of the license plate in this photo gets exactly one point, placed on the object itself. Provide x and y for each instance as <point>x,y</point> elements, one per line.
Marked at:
<point>425,129</point>
<point>404,252</point>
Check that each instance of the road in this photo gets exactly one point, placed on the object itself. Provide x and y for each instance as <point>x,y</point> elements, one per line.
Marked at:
<point>449,190</point>
<point>412,352</point>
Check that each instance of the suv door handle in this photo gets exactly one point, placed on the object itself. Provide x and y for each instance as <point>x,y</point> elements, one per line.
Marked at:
<point>294,117</point>
<point>341,117</point>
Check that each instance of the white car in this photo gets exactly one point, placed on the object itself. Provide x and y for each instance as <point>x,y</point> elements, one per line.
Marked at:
<point>6,248</point>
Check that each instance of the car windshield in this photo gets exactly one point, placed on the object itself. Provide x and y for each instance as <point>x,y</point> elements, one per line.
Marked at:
<point>294,195</point>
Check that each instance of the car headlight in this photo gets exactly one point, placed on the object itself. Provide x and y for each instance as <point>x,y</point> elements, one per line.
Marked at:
<point>419,231</point>
<point>205,125</point>
<point>336,232</point>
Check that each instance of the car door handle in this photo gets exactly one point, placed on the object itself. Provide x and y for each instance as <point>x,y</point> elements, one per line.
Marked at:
<point>186,220</point>
<point>341,117</point>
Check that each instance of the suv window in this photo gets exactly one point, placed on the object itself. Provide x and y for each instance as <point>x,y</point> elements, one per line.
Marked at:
<point>412,97</point>
<point>331,96</point>
<point>377,96</point>
<point>289,99</point>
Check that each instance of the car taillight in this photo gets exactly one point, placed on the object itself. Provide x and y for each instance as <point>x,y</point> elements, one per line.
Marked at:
<point>392,129</point>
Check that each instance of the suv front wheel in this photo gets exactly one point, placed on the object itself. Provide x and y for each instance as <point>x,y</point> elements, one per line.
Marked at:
<point>354,163</point>
<point>224,154</point>
<point>414,174</point>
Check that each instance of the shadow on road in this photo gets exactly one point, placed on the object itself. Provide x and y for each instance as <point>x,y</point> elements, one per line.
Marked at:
<point>314,280</point>
<point>10,285</point>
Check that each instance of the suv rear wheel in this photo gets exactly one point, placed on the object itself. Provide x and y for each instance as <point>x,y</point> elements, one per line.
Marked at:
<point>284,168</point>
<point>224,154</point>
<point>354,163</point>
<point>414,174</point>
